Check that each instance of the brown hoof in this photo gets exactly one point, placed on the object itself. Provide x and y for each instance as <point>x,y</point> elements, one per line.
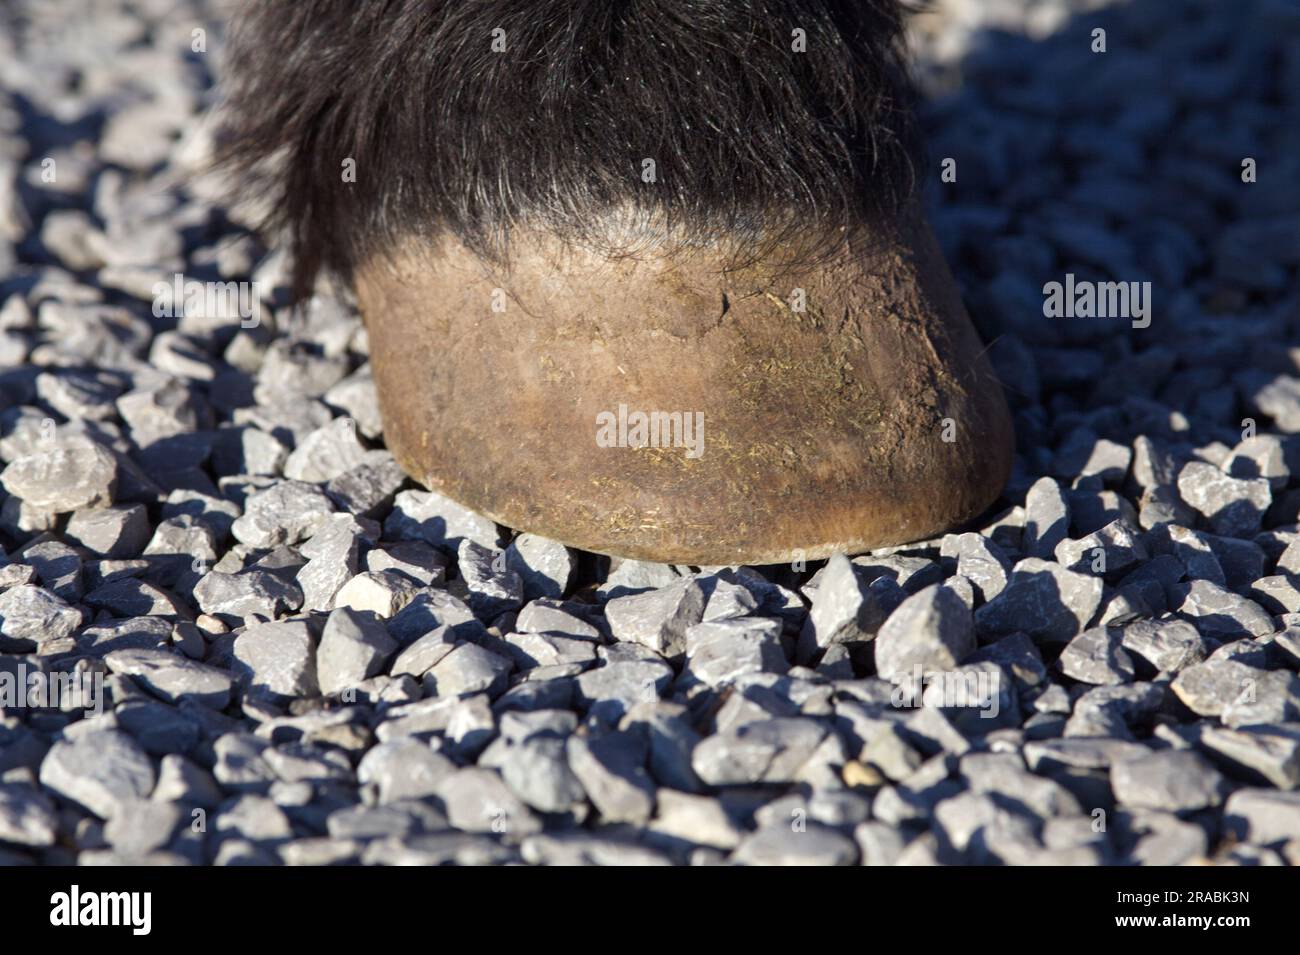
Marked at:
<point>846,405</point>
<point>802,409</point>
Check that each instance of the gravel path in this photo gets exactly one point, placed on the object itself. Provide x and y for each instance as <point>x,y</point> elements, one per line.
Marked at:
<point>293,655</point>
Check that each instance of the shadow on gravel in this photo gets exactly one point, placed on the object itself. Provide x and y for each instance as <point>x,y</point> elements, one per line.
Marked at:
<point>1126,166</point>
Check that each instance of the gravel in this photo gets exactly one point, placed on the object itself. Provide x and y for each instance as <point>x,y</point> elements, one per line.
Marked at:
<point>277,661</point>
<point>172,677</point>
<point>101,770</point>
<point>338,666</point>
<point>1172,781</point>
<point>353,647</point>
<point>658,619</point>
<point>63,479</point>
<point>931,630</point>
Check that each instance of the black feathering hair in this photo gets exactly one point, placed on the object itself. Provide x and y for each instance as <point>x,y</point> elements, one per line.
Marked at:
<point>751,137</point>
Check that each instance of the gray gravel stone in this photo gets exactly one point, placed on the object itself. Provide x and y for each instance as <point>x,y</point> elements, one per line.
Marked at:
<point>1260,753</point>
<point>658,619</point>
<point>477,800</point>
<point>353,647</point>
<point>418,561</point>
<point>609,691</point>
<point>14,575</point>
<point>181,781</point>
<point>234,598</point>
<point>369,487</point>
<point>686,818</point>
<point>1261,456</point>
<point>326,453</point>
<point>1168,645</point>
<point>1192,550</point>
<point>1044,600</point>
<point>545,566</point>
<point>136,598</point>
<point>337,542</point>
<point>1219,612</point>
<point>1054,755</point>
<point>720,651</point>
<point>254,818</point>
<point>64,478</point>
<point>142,826</point>
<point>58,567</point>
<point>1277,594</point>
<point>1097,657</point>
<point>1171,780</point>
<point>27,817</point>
<point>394,820</point>
<point>628,577</point>
<point>611,768</point>
<point>248,450</point>
<point>102,771</point>
<point>1166,840</point>
<point>439,521</point>
<point>431,610</point>
<point>467,669</point>
<point>931,629</point>
<point>149,633</point>
<point>1264,816</point>
<point>671,739</point>
<point>550,616</point>
<point>781,844</point>
<point>277,660</point>
<point>536,770</point>
<point>889,753</point>
<point>1273,698</point>
<point>418,658</point>
<point>75,394</point>
<point>768,751</point>
<point>912,574</point>
<point>572,849</point>
<point>981,561</point>
<point>295,369</point>
<point>285,513</point>
<point>240,765</point>
<point>1115,548</point>
<point>529,650</point>
<point>1207,688</point>
<point>1233,506</point>
<point>404,768</point>
<point>1047,519</point>
<point>112,532</point>
<point>846,608</point>
<point>33,614</point>
<point>972,822</point>
<point>729,600</point>
<point>384,593</point>
<point>172,677</point>
<point>487,584</point>
<point>167,409</point>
